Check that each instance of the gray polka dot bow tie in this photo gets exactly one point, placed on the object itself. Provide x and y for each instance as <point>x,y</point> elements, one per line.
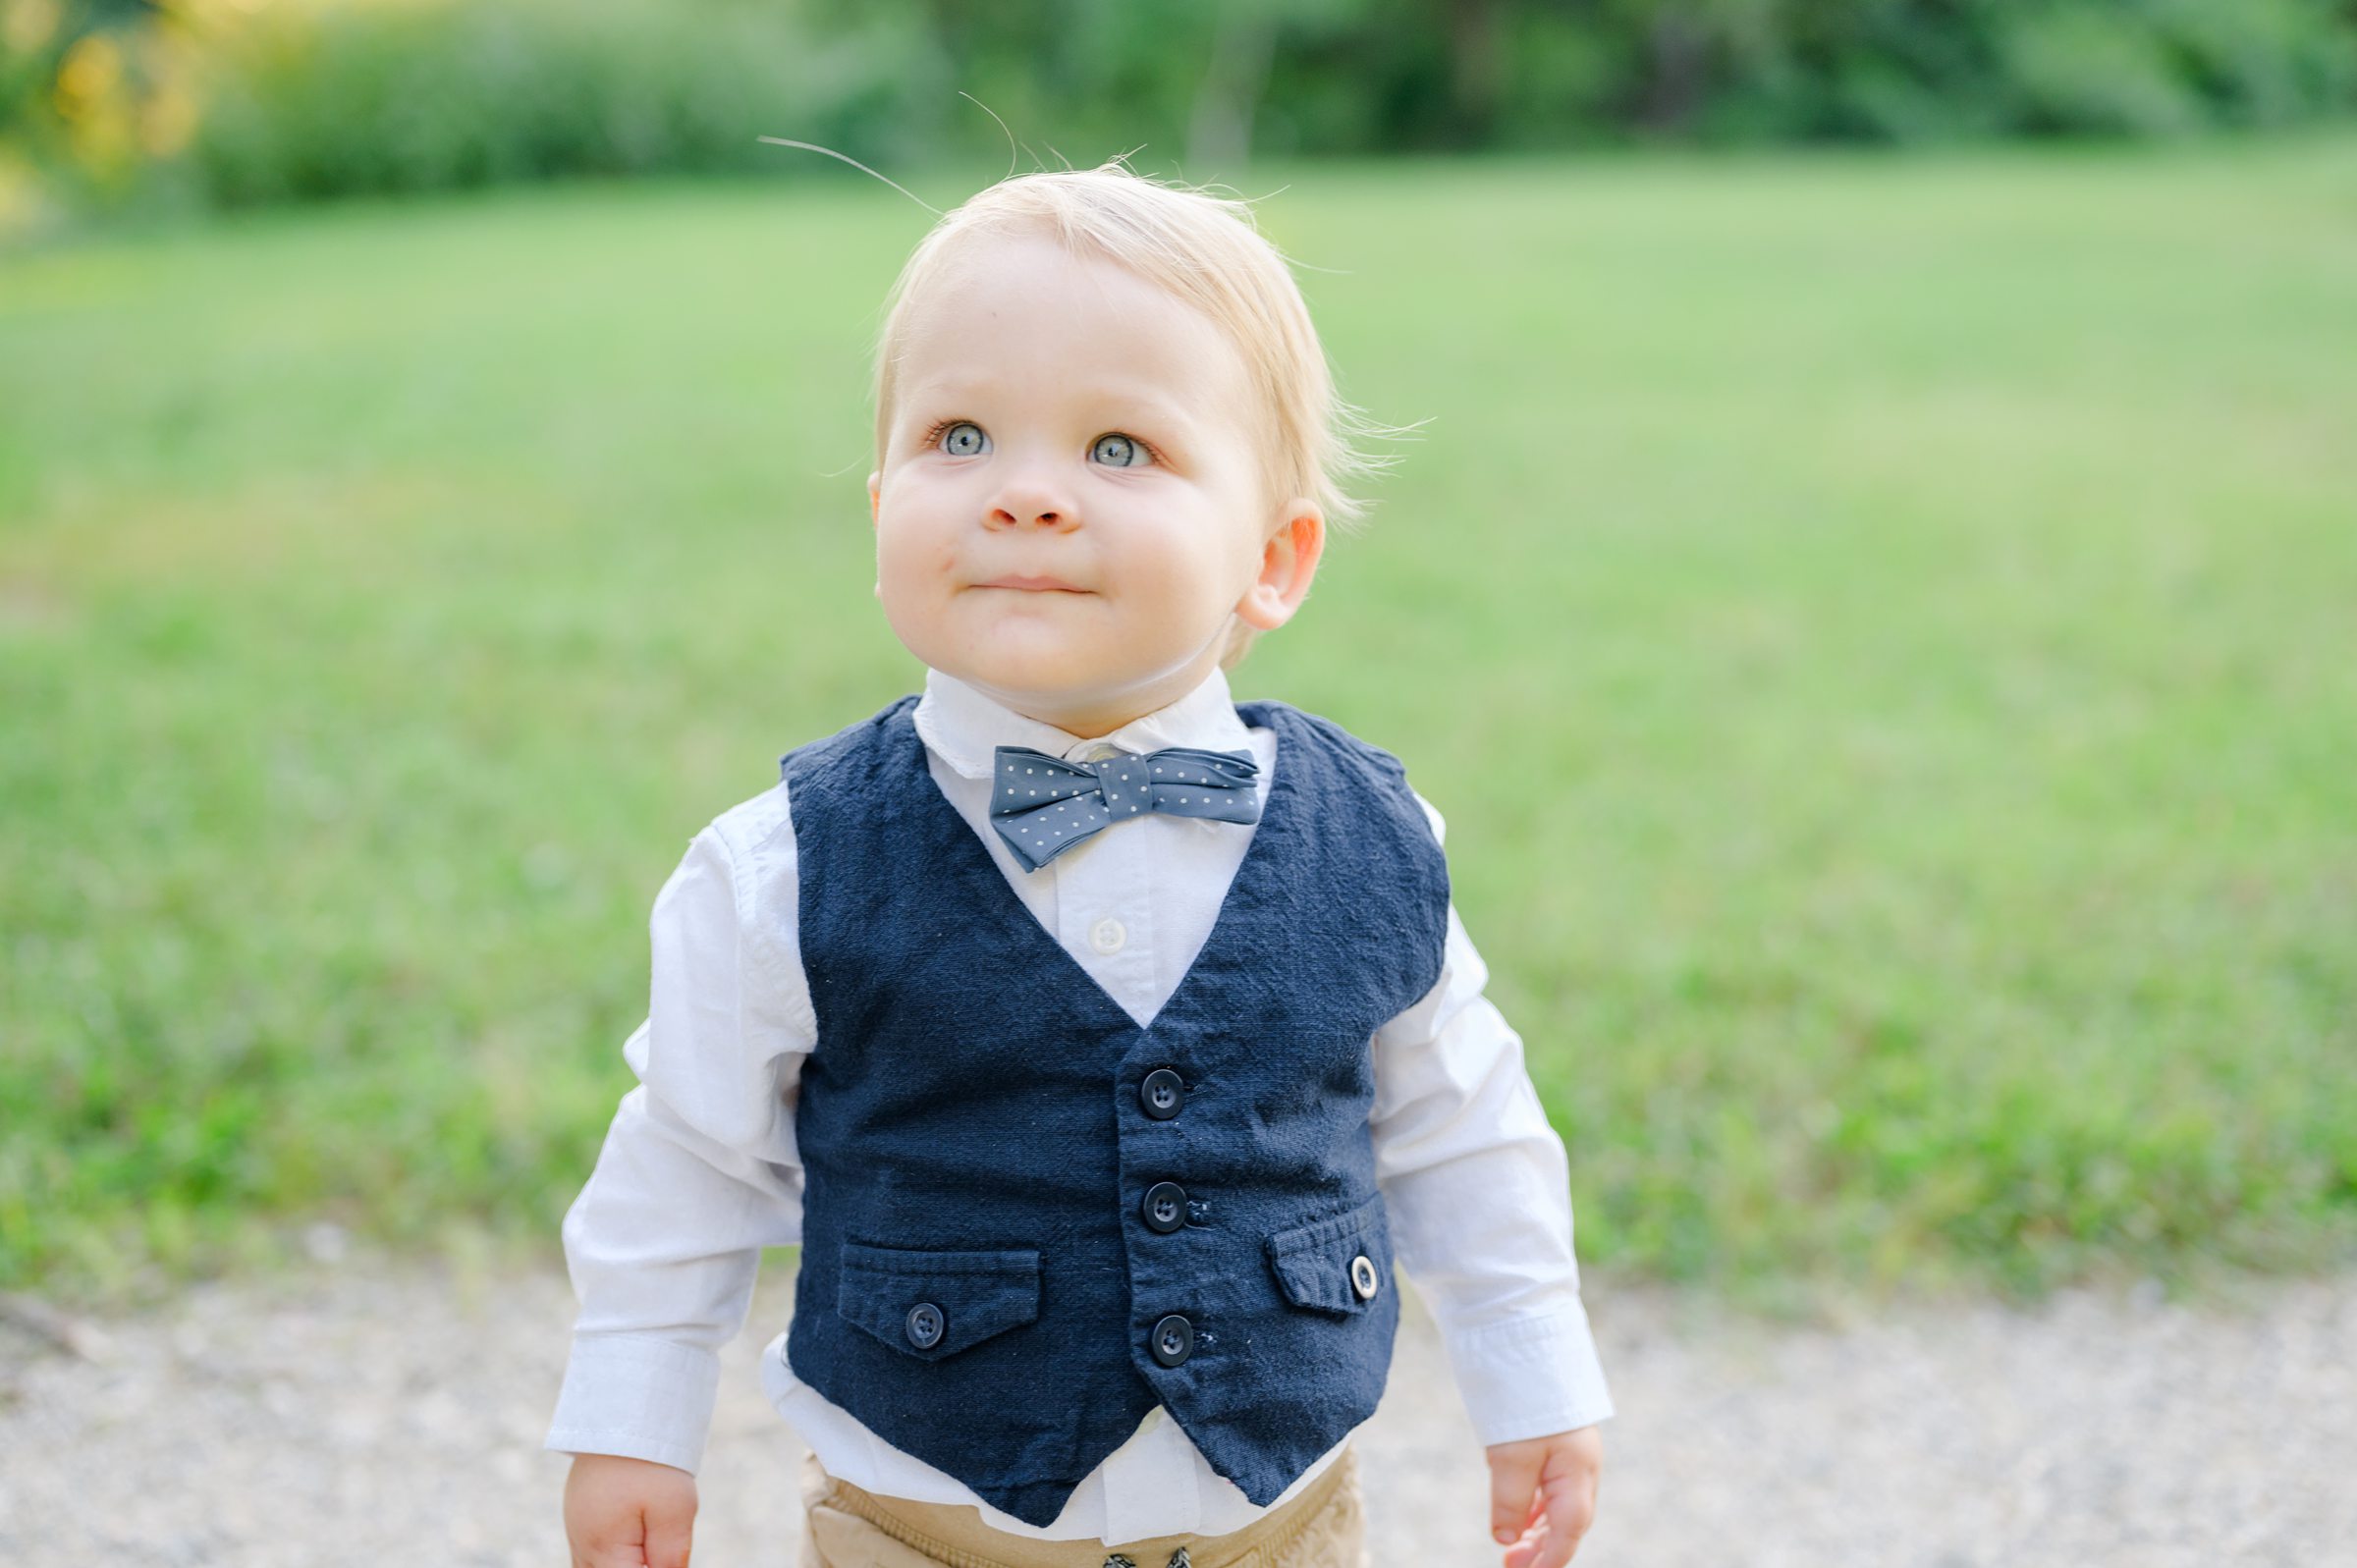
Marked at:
<point>1043,805</point>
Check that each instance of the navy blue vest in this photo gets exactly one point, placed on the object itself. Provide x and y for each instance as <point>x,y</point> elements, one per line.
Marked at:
<point>1026,1219</point>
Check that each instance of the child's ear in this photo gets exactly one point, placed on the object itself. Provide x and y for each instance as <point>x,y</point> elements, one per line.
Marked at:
<point>1287,562</point>
<point>875,512</point>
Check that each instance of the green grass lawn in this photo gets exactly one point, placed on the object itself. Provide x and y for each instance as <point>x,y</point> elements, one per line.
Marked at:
<point>1924,593</point>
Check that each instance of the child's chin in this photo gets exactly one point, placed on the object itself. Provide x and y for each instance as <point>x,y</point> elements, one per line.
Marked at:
<point>1031,654</point>
<point>1044,677</point>
<point>1052,676</point>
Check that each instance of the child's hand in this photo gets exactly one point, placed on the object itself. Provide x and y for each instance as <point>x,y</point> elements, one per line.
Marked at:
<point>1543,1489</point>
<point>628,1513</point>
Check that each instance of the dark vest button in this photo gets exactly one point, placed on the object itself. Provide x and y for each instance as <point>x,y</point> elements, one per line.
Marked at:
<point>1166,1207</point>
<point>924,1326</point>
<point>1173,1340</point>
<point>1161,1094</point>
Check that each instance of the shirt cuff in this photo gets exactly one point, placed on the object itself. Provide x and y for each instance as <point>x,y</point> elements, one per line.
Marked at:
<point>1530,1377</point>
<point>638,1398</point>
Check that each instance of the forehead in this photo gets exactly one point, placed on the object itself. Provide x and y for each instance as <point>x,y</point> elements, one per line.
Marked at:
<point>1023,311</point>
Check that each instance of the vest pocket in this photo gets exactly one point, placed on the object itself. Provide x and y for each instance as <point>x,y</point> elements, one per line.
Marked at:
<point>935,1304</point>
<point>1315,1263</point>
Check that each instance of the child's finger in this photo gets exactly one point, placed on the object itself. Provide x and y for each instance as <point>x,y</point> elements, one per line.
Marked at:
<point>617,1543</point>
<point>1514,1493</point>
<point>610,1552</point>
<point>1568,1502</point>
<point>668,1529</point>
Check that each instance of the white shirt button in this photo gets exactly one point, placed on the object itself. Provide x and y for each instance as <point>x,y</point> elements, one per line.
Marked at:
<point>1108,935</point>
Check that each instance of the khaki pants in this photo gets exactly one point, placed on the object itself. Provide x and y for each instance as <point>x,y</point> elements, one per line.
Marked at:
<point>845,1527</point>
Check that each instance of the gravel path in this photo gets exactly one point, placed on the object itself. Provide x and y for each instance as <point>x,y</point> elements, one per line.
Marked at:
<point>358,1413</point>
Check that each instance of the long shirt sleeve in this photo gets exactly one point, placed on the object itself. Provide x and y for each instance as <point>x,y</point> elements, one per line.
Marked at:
<point>1476,1185</point>
<point>698,1171</point>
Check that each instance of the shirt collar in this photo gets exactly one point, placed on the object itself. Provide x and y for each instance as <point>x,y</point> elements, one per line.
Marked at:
<point>965,728</point>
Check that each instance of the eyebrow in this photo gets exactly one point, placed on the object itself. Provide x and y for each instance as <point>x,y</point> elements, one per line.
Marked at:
<point>1141,401</point>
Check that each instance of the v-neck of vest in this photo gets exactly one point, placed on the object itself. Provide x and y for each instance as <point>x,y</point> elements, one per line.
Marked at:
<point>1276,821</point>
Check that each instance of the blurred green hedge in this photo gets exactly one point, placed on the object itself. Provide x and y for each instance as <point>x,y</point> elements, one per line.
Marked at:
<point>238,102</point>
<point>379,99</point>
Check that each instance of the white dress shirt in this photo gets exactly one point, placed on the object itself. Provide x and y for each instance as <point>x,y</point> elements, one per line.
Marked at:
<point>699,1170</point>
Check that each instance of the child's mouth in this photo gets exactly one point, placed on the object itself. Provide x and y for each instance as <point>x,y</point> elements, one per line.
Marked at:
<point>1032,584</point>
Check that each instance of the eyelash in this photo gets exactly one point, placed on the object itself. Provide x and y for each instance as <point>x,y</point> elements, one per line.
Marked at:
<point>944,427</point>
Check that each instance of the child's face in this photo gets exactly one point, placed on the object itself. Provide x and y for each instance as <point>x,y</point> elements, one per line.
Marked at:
<point>1070,505</point>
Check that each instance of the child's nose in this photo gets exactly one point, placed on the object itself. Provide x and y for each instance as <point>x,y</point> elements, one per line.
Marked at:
<point>1041,514</point>
<point>1033,505</point>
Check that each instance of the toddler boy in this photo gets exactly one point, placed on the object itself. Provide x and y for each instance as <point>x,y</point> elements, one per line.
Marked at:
<point>1102,1041</point>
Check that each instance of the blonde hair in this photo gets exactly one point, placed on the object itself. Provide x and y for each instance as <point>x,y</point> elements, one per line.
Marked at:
<point>1206,250</point>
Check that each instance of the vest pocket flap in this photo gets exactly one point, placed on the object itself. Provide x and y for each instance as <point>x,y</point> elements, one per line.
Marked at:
<point>1339,1264</point>
<point>935,1304</point>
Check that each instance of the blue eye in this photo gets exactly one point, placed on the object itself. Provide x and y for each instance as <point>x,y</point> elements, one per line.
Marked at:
<point>964,439</point>
<point>1117,452</point>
